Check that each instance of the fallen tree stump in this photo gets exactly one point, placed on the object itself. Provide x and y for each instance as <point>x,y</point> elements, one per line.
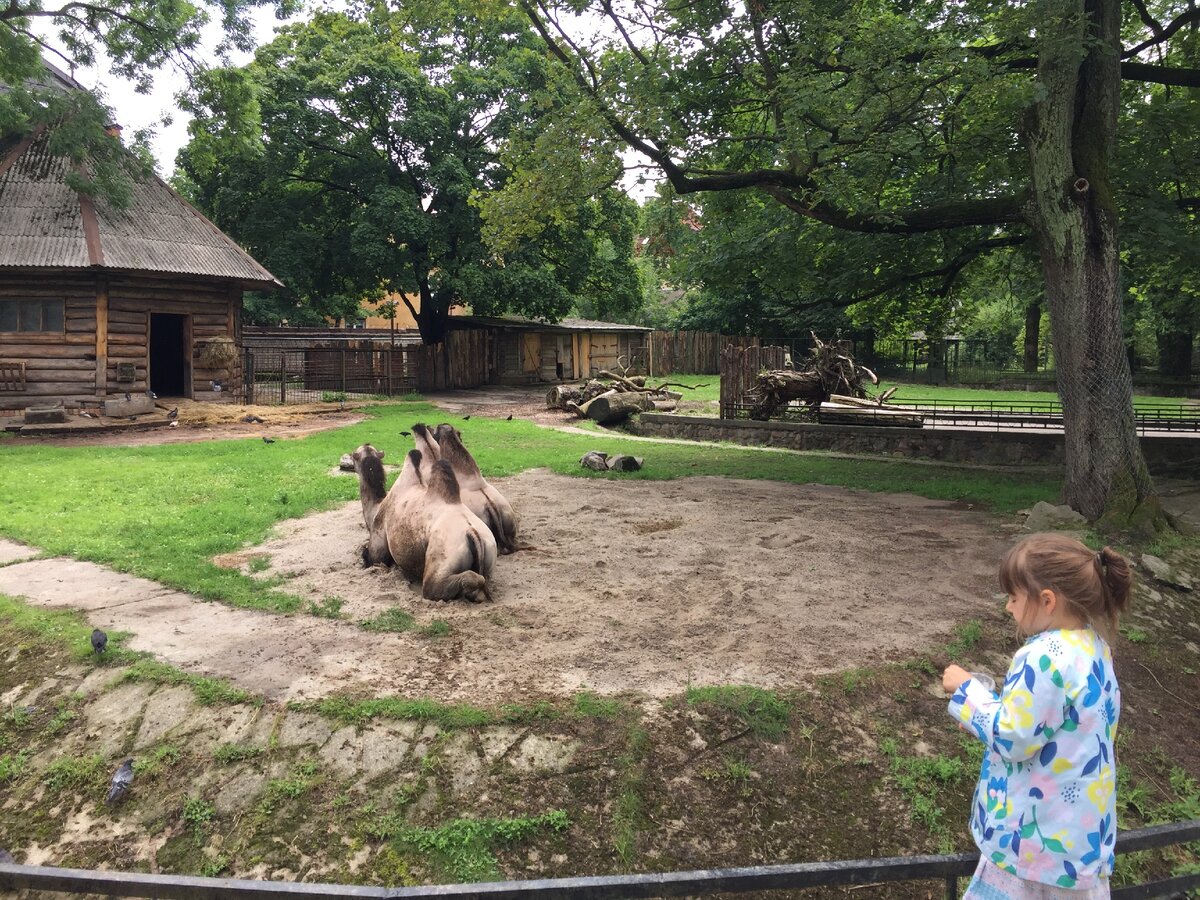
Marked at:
<point>827,371</point>
<point>613,406</point>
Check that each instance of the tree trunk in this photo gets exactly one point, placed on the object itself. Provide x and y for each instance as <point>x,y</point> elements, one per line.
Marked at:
<point>1175,353</point>
<point>1033,328</point>
<point>433,316</point>
<point>1070,137</point>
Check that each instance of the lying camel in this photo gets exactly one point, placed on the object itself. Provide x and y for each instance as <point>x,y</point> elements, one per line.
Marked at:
<point>422,526</point>
<point>482,498</point>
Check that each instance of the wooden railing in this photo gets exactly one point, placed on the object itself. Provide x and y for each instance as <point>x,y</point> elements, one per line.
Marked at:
<point>12,376</point>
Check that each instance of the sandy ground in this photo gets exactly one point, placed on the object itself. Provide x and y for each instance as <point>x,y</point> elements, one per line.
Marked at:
<point>643,587</point>
<point>651,586</point>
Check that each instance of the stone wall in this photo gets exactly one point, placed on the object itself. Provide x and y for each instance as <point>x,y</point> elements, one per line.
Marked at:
<point>1178,456</point>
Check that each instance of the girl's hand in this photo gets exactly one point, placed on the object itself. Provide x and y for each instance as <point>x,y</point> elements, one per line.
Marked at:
<point>953,678</point>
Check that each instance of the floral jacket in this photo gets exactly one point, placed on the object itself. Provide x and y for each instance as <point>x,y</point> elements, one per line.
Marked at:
<point>1045,805</point>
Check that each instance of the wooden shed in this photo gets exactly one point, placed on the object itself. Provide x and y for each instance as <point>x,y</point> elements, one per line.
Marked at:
<point>524,350</point>
<point>97,301</point>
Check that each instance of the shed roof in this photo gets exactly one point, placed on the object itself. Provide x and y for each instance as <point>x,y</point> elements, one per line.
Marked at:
<point>520,323</point>
<point>45,224</point>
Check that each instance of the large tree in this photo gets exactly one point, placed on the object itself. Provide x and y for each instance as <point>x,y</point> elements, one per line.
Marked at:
<point>349,155</point>
<point>135,37</point>
<point>983,123</point>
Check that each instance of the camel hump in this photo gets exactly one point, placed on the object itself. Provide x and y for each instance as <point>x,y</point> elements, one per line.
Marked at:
<point>411,473</point>
<point>452,449</point>
<point>443,483</point>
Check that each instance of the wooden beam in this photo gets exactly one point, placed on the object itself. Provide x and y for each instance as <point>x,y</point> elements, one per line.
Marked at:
<point>101,337</point>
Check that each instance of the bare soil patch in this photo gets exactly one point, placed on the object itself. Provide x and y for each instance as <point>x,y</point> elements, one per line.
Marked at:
<point>648,587</point>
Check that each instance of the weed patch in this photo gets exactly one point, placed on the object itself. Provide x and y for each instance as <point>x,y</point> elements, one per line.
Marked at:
<point>358,712</point>
<point>327,608</point>
<point>763,712</point>
<point>396,619</point>
<point>74,773</point>
<point>966,636</point>
<point>303,777</point>
<point>198,814</point>
<point>589,704</point>
<point>462,850</point>
<point>208,691</point>
<point>924,781</point>
<point>628,814</point>
<point>227,754</point>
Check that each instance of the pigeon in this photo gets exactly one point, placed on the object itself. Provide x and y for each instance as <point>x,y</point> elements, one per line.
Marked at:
<point>251,419</point>
<point>99,640</point>
<point>151,394</point>
<point>173,425</point>
<point>509,419</point>
<point>121,781</point>
<point>127,397</point>
<point>465,418</point>
<point>267,440</point>
<point>6,858</point>
<point>132,418</point>
<point>87,415</point>
<point>406,434</point>
<point>173,414</point>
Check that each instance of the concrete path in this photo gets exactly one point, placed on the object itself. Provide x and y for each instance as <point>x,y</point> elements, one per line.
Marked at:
<point>280,657</point>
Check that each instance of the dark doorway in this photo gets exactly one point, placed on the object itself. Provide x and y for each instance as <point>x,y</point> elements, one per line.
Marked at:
<point>170,355</point>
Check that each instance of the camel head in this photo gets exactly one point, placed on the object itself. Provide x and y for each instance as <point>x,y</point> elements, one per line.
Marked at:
<point>368,463</point>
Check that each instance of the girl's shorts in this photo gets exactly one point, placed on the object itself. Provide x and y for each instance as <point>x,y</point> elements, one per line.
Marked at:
<point>992,883</point>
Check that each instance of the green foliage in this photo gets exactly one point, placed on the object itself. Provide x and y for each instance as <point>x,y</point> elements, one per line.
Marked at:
<point>358,712</point>
<point>163,756</point>
<point>924,781</point>
<point>304,776</point>
<point>589,704</point>
<point>462,849</point>
<point>208,691</point>
<point>12,765</point>
<point>326,608</point>
<point>764,712</point>
<point>71,773</point>
<point>198,814</point>
<point>631,785</point>
<point>966,636</point>
<point>396,619</point>
<point>227,754</point>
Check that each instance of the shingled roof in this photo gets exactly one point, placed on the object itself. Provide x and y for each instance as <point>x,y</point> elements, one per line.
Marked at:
<point>45,224</point>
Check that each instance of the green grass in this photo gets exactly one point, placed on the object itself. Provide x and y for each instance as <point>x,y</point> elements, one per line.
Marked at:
<point>764,713</point>
<point>74,773</point>
<point>914,391</point>
<point>228,754</point>
<point>396,619</point>
<point>589,704</point>
<point>966,636</point>
<point>462,850</point>
<point>924,781</point>
<point>163,512</point>
<point>62,628</point>
<point>208,691</point>
<point>358,712</point>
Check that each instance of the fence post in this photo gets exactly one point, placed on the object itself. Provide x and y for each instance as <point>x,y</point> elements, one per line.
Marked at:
<point>389,370</point>
<point>343,370</point>
<point>283,376</point>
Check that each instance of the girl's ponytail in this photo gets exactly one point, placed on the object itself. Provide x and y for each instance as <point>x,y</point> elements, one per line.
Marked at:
<point>1116,579</point>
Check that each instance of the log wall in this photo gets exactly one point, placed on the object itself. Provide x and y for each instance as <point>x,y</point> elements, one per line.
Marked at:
<point>691,352</point>
<point>106,325</point>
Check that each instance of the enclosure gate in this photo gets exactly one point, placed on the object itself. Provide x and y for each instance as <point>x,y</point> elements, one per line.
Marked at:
<point>739,373</point>
<point>279,375</point>
<point>796,876</point>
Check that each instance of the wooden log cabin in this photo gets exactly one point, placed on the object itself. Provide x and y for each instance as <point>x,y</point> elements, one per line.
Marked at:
<point>97,301</point>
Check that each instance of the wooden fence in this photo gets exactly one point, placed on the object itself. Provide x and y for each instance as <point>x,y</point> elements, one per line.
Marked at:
<point>739,373</point>
<point>464,360</point>
<point>691,352</point>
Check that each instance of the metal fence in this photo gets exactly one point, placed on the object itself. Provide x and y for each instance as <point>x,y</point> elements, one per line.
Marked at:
<point>945,869</point>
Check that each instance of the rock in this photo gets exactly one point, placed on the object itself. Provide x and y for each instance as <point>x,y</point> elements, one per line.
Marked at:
<point>346,463</point>
<point>1166,573</point>
<point>1047,517</point>
<point>595,460</point>
<point>622,463</point>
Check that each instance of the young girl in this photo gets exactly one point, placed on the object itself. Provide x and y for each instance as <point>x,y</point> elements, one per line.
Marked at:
<point>1044,811</point>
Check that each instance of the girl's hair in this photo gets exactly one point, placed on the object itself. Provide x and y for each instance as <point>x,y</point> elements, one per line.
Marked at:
<point>1096,586</point>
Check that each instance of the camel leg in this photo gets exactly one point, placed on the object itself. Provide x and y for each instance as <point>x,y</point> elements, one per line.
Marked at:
<point>469,585</point>
<point>375,551</point>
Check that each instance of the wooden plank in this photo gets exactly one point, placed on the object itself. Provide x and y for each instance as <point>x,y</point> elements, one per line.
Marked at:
<point>76,347</point>
<point>78,365</point>
<point>138,339</point>
<point>100,384</point>
<point>60,376</point>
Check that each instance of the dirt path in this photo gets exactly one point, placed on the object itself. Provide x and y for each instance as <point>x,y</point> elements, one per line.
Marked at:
<point>635,587</point>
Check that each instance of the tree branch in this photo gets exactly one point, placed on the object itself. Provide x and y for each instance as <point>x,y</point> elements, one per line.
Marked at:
<point>1162,33</point>
<point>1134,71</point>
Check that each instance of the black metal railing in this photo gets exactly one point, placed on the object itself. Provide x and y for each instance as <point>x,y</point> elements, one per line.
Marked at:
<point>278,375</point>
<point>946,869</point>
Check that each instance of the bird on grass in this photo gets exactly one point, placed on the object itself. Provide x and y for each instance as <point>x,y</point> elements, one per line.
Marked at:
<point>173,414</point>
<point>99,641</point>
<point>509,419</point>
<point>465,418</point>
<point>267,440</point>
<point>406,434</point>
<point>121,781</point>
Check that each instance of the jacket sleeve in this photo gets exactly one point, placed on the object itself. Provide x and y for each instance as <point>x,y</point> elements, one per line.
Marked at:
<point>1018,723</point>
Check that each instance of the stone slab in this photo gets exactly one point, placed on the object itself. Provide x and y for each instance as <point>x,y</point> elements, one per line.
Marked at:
<point>136,405</point>
<point>11,551</point>
<point>69,583</point>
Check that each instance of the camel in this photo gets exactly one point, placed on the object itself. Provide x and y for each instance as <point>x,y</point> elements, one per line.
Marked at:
<point>423,528</point>
<point>372,491</point>
<point>477,493</point>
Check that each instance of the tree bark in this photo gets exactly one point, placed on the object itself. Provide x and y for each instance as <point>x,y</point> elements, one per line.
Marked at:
<point>1070,135</point>
<point>1033,327</point>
